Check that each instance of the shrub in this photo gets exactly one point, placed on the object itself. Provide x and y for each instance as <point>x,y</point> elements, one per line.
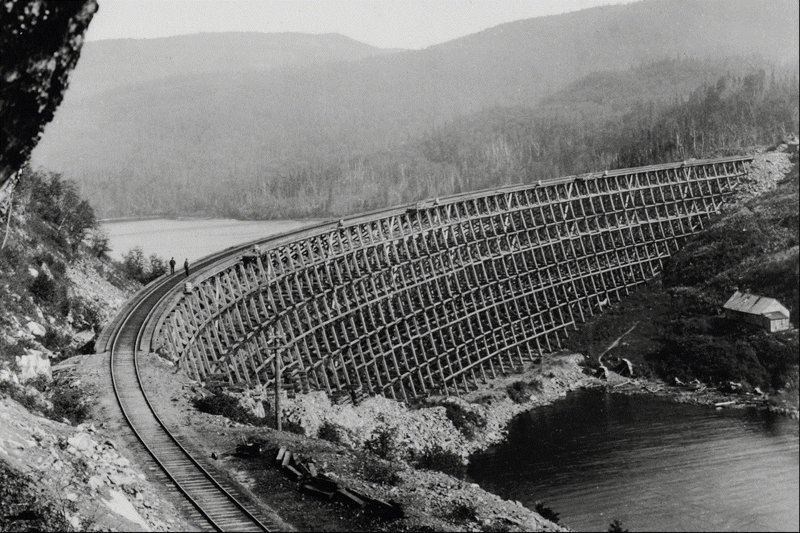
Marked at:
<point>60,214</point>
<point>85,315</point>
<point>8,351</point>
<point>136,267</point>
<point>519,392</point>
<point>547,512</point>
<point>499,526</point>
<point>68,403</point>
<point>158,266</point>
<point>28,506</point>
<point>383,443</point>
<point>46,291</point>
<point>99,242</point>
<point>486,399</point>
<point>616,527</point>
<point>40,383</point>
<point>291,427</point>
<point>463,512</point>
<point>378,471</point>
<point>20,395</point>
<point>464,420</point>
<point>58,342</point>
<point>332,432</point>
<point>442,460</point>
<point>536,384</point>
<point>229,407</point>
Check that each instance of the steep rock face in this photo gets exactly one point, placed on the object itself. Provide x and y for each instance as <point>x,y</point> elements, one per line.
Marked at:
<point>41,42</point>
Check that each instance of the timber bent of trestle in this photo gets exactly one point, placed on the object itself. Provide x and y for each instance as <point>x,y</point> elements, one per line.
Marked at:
<point>438,295</point>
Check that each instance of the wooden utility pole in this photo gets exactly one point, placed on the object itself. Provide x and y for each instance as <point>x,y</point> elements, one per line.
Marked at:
<point>278,422</point>
<point>274,338</point>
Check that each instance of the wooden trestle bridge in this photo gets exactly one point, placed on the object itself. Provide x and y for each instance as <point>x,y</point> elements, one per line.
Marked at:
<point>438,295</point>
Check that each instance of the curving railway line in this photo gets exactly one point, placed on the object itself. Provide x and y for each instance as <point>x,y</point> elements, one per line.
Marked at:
<point>217,506</point>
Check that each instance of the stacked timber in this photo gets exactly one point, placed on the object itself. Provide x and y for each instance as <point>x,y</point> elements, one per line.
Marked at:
<point>318,485</point>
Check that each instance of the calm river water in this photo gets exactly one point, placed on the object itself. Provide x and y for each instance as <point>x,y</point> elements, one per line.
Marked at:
<point>190,238</point>
<point>653,464</point>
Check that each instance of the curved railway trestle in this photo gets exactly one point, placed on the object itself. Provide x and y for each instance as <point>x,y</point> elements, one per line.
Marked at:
<point>442,294</point>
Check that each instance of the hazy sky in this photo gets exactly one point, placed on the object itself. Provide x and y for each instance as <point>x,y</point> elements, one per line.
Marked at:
<point>383,23</point>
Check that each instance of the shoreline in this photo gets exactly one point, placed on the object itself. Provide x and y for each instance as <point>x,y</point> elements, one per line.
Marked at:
<point>200,218</point>
<point>427,425</point>
<point>430,498</point>
<point>702,395</point>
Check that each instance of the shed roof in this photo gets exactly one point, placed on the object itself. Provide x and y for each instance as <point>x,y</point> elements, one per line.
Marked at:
<point>776,315</point>
<point>754,304</point>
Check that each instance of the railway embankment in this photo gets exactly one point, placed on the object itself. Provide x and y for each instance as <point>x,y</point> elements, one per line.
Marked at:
<point>380,447</point>
<point>63,464</point>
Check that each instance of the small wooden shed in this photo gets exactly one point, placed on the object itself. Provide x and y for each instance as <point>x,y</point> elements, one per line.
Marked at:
<point>766,313</point>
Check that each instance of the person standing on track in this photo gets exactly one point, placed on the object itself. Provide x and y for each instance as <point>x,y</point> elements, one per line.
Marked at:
<point>186,267</point>
<point>171,265</point>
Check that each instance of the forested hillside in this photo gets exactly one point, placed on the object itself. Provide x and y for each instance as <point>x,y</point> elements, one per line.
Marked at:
<point>519,101</point>
<point>494,147</point>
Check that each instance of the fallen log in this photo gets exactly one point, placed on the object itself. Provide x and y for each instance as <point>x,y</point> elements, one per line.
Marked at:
<point>287,457</point>
<point>292,473</point>
<point>323,483</point>
<point>386,510</point>
<point>348,498</point>
<point>314,491</point>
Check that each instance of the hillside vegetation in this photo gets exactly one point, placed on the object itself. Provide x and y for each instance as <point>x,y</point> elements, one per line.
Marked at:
<point>58,287</point>
<point>327,138</point>
<point>680,331</point>
<point>717,116</point>
<point>62,468</point>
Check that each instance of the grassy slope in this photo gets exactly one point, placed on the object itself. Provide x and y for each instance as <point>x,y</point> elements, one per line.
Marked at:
<point>680,331</point>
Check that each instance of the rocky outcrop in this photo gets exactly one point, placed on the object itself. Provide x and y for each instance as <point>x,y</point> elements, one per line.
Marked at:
<point>80,470</point>
<point>33,364</point>
<point>41,41</point>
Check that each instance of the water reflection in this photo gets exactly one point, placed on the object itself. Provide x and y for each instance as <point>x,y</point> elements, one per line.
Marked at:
<point>653,464</point>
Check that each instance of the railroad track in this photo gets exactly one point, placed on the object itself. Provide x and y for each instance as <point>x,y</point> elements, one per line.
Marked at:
<point>217,506</point>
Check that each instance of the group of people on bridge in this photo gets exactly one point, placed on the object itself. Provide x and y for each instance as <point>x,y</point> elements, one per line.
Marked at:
<point>172,266</point>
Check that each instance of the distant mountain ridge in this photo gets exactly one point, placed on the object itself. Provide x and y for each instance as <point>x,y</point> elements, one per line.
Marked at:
<point>191,131</point>
<point>113,63</point>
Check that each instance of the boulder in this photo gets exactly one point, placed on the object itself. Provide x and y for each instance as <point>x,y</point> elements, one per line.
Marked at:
<point>82,442</point>
<point>83,337</point>
<point>253,406</point>
<point>119,504</point>
<point>33,364</point>
<point>45,270</point>
<point>36,329</point>
<point>8,375</point>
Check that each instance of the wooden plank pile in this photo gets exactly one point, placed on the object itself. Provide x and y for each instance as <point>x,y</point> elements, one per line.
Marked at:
<point>315,483</point>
